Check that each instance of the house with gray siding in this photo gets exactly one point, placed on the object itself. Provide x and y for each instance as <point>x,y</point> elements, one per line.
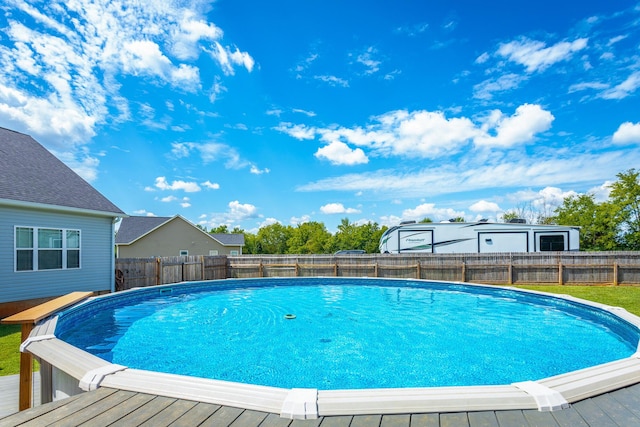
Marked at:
<point>147,236</point>
<point>56,230</point>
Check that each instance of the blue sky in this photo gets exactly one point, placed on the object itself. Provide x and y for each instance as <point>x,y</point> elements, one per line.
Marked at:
<point>246,112</point>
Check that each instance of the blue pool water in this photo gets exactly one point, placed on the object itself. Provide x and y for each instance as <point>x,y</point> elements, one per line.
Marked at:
<point>347,333</point>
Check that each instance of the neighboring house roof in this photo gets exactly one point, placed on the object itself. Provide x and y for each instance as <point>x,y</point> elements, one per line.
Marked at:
<point>133,228</point>
<point>30,174</point>
<point>234,239</point>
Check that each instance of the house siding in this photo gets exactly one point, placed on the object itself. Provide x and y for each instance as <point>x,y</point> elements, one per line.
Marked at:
<point>95,273</point>
<point>170,239</point>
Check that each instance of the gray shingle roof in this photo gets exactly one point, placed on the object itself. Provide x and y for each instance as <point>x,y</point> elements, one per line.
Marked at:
<point>229,239</point>
<point>134,227</point>
<point>31,174</point>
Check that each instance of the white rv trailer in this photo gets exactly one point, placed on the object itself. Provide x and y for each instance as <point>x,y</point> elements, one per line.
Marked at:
<point>478,237</point>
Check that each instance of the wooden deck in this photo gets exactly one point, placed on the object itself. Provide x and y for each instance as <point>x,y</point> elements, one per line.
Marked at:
<point>108,406</point>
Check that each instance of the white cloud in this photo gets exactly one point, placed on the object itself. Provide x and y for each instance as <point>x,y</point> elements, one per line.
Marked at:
<point>484,57</point>
<point>227,58</point>
<point>502,172</point>
<point>301,220</point>
<point>211,185</point>
<point>586,86</point>
<point>189,31</point>
<point>168,199</point>
<point>423,134</point>
<point>624,89</point>
<point>257,171</point>
<point>487,88</point>
<point>366,58</point>
<point>189,187</point>
<point>241,211</point>
<point>210,152</point>
<point>142,212</point>
<point>61,78</point>
<point>299,132</point>
<point>627,133</point>
<point>535,56</point>
<point>337,208</point>
<point>339,153</point>
<point>601,193</point>
<point>522,127</point>
<point>82,163</point>
<point>484,206</point>
<point>332,80</point>
<point>429,210</point>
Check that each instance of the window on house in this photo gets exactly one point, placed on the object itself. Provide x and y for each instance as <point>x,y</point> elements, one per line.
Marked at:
<point>184,252</point>
<point>233,253</point>
<point>213,252</point>
<point>46,249</point>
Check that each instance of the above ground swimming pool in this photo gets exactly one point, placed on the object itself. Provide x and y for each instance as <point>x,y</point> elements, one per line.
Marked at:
<point>346,333</point>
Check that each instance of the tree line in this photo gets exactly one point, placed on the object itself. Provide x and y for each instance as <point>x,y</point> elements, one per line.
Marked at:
<point>613,224</point>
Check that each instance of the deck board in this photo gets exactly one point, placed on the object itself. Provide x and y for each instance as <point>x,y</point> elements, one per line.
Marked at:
<point>147,411</point>
<point>593,415</point>
<point>539,419</point>
<point>483,419</point>
<point>107,406</point>
<point>402,420</point>
<point>170,414</point>
<point>223,417</point>
<point>83,415</point>
<point>366,421</point>
<point>458,419</point>
<point>196,415</point>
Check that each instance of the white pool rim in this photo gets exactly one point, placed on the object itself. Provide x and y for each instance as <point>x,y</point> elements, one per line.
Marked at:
<point>73,371</point>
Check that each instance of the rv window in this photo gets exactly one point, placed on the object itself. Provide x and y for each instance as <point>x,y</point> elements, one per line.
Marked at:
<point>551,243</point>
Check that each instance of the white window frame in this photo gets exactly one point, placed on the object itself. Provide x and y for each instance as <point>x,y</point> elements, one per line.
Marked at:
<point>35,248</point>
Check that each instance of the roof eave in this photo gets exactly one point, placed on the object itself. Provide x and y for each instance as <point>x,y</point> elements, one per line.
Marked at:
<point>58,208</point>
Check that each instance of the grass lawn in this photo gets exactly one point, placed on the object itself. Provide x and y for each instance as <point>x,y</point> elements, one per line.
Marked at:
<point>618,296</point>
<point>627,297</point>
<point>10,350</point>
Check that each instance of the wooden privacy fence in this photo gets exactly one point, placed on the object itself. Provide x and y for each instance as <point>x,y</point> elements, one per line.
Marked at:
<point>140,272</point>
<point>563,268</point>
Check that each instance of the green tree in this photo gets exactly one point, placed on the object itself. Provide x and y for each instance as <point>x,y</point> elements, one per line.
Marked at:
<point>596,222</point>
<point>250,244</point>
<point>272,239</point>
<point>625,201</point>
<point>309,238</point>
<point>353,236</point>
<point>426,221</point>
<point>372,233</point>
<point>221,229</point>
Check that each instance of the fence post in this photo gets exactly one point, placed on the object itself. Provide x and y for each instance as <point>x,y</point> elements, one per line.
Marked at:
<point>464,271</point>
<point>560,274</point>
<point>201,267</point>
<point>510,273</point>
<point>418,272</point>
<point>375,270</point>
<point>158,271</point>
<point>260,270</point>
<point>297,269</point>
<point>335,269</point>
<point>615,273</point>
